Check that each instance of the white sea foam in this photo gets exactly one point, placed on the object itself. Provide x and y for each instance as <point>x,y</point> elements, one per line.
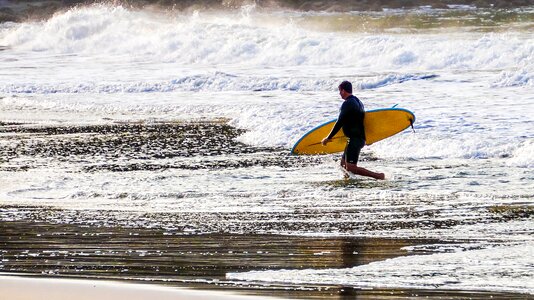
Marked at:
<point>468,146</point>
<point>224,39</point>
<point>213,82</point>
<point>521,77</point>
<point>523,155</point>
<point>502,268</point>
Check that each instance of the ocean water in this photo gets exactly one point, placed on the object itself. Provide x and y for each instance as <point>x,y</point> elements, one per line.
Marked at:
<point>260,79</point>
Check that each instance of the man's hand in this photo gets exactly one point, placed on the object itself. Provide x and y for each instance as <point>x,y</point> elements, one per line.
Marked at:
<point>326,141</point>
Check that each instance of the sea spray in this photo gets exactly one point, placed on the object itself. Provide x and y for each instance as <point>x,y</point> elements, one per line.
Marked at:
<point>230,39</point>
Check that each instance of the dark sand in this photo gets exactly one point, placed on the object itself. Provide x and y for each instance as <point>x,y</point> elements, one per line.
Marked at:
<point>134,147</point>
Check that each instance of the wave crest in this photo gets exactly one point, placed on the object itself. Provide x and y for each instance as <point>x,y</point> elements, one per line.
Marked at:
<point>256,40</point>
<point>215,82</point>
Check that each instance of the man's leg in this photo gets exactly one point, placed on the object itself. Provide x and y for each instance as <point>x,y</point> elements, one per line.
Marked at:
<point>353,168</point>
<point>351,156</point>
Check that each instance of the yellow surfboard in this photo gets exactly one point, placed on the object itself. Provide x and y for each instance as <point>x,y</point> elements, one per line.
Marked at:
<point>378,125</point>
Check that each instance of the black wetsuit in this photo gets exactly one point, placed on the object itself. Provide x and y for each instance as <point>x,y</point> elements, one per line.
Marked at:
<point>350,119</point>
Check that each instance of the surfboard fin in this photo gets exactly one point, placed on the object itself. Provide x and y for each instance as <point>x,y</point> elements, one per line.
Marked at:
<point>411,125</point>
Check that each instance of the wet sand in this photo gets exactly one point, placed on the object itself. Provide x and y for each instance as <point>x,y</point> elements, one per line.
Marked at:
<point>134,147</point>
<point>178,259</point>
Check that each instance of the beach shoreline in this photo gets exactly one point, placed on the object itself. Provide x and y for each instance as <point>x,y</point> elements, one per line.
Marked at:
<point>30,288</point>
<point>67,258</point>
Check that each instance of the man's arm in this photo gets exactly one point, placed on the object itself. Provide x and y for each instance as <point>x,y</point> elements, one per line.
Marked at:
<point>339,124</point>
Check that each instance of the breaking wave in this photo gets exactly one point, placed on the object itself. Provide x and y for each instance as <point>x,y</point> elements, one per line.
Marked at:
<point>214,82</point>
<point>249,38</point>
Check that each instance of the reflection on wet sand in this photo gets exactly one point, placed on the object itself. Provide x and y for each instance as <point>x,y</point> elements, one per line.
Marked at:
<point>178,258</point>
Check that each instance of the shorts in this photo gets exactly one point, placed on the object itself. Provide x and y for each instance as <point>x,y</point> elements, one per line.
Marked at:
<point>352,150</point>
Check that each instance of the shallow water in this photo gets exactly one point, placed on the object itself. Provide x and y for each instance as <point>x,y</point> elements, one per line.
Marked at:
<point>183,122</point>
<point>202,261</point>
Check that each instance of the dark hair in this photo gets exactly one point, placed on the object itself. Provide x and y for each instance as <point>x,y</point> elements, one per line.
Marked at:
<point>346,86</point>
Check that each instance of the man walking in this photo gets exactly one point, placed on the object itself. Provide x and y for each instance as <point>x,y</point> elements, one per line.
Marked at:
<point>350,119</point>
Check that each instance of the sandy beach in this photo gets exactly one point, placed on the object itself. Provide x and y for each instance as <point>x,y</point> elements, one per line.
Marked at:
<point>31,288</point>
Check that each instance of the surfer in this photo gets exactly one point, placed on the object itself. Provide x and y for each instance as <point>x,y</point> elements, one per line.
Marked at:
<point>350,119</point>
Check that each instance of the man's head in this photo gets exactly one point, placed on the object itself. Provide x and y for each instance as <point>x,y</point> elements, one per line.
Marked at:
<point>345,89</point>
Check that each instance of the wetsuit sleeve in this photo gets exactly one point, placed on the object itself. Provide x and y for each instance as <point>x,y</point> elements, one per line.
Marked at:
<point>340,121</point>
